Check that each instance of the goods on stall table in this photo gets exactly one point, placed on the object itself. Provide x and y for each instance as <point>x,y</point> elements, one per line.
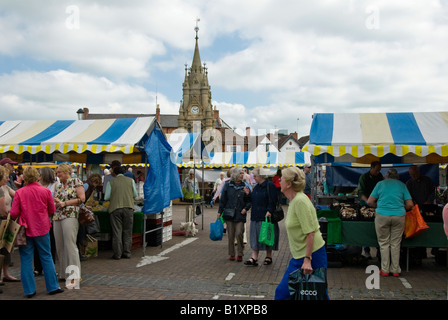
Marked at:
<point>346,210</point>
<point>367,212</point>
<point>100,205</point>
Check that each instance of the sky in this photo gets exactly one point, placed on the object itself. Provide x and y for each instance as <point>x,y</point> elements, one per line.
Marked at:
<point>271,64</point>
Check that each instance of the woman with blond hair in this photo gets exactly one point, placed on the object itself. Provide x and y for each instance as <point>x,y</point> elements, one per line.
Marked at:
<point>33,204</point>
<point>306,243</point>
<point>6,196</point>
<point>69,195</point>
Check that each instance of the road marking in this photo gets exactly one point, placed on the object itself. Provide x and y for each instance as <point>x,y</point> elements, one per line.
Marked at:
<point>230,276</point>
<point>152,259</point>
<point>405,283</point>
<point>217,296</point>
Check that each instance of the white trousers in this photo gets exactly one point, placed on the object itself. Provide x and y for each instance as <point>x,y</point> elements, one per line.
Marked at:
<point>65,234</point>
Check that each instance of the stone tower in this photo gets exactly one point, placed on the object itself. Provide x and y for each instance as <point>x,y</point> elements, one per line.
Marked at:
<point>196,106</point>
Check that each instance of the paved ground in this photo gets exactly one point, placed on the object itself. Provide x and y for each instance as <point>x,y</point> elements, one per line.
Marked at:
<point>197,268</point>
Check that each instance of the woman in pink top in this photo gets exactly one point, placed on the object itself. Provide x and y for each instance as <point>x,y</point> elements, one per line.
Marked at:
<point>33,204</point>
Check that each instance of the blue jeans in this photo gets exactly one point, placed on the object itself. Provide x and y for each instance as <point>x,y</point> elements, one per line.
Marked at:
<point>42,243</point>
<point>319,260</point>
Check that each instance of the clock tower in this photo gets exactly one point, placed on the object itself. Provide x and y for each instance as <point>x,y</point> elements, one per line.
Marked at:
<point>196,105</point>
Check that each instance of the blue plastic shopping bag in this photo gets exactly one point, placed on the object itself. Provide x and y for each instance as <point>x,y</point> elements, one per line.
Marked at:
<point>216,230</point>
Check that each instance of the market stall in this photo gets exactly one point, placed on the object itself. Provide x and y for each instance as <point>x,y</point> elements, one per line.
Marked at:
<point>129,140</point>
<point>391,138</point>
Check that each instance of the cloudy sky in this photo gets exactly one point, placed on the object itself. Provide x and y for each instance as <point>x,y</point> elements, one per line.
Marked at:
<point>271,63</point>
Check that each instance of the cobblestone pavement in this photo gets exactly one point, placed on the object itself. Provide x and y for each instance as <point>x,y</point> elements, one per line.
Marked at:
<point>196,268</point>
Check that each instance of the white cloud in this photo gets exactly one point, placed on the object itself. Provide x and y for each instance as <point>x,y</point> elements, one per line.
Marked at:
<point>301,57</point>
<point>59,94</point>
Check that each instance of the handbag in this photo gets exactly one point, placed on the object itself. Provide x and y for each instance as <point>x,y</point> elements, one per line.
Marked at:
<point>85,215</point>
<point>267,235</point>
<point>10,234</point>
<point>93,227</point>
<point>414,223</point>
<point>21,237</point>
<point>278,213</point>
<point>228,214</point>
<point>90,248</point>
<point>308,286</point>
<point>216,230</point>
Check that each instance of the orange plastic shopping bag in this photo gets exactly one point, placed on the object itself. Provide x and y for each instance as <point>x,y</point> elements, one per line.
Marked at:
<point>414,223</point>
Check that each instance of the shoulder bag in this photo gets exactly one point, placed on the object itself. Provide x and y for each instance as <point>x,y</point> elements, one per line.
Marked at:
<point>85,215</point>
<point>278,213</point>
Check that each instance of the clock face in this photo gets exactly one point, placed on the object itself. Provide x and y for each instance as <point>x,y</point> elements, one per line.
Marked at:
<point>195,109</point>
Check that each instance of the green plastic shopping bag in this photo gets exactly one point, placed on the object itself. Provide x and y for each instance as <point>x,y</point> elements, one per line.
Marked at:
<point>267,235</point>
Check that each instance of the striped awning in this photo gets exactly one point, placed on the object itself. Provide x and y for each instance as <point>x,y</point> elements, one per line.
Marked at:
<point>96,136</point>
<point>189,151</point>
<point>252,159</point>
<point>186,147</point>
<point>359,134</point>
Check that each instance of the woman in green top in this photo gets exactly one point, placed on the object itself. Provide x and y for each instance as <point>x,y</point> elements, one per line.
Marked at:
<point>302,227</point>
<point>391,199</point>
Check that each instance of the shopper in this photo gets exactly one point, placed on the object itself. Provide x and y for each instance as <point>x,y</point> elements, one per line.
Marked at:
<point>302,227</point>
<point>235,196</point>
<point>69,195</point>
<point>121,192</point>
<point>33,204</point>
<point>391,199</point>
<point>6,196</point>
<point>264,199</point>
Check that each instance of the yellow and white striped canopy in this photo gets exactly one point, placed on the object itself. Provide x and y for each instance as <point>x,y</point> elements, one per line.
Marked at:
<point>421,134</point>
<point>96,136</point>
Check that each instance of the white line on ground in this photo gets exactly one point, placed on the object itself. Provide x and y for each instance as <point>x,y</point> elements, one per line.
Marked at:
<point>405,283</point>
<point>152,259</point>
<point>230,276</point>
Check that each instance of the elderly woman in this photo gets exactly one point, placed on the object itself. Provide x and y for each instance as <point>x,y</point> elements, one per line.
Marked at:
<point>218,182</point>
<point>32,205</point>
<point>235,197</point>
<point>69,195</point>
<point>391,199</point>
<point>264,199</point>
<point>306,243</point>
<point>191,184</point>
<point>6,195</point>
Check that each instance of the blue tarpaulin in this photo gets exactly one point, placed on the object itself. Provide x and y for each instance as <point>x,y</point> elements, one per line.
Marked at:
<point>162,182</point>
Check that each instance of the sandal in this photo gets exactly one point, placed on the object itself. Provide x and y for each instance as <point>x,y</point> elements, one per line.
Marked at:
<point>232,258</point>
<point>251,262</point>
<point>239,259</point>
<point>267,261</point>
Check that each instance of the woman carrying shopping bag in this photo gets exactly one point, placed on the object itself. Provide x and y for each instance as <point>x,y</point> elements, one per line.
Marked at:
<point>302,227</point>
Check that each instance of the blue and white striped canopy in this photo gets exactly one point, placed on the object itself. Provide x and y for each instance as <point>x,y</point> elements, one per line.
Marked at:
<point>189,150</point>
<point>258,159</point>
<point>378,134</point>
<point>96,136</point>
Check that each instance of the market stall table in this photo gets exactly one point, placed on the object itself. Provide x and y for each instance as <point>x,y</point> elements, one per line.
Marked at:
<point>362,233</point>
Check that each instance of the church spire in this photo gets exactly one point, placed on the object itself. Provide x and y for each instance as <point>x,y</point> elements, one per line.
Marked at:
<point>196,66</point>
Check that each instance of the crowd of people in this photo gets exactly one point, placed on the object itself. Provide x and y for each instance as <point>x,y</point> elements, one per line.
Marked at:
<point>47,202</point>
<point>243,194</point>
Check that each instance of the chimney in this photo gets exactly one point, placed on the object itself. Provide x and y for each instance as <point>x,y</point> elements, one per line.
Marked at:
<point>86,113</point>
<point>248,132</point>
<point>158,113</point>
<point>216,115</point>
<point>295,135</point>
